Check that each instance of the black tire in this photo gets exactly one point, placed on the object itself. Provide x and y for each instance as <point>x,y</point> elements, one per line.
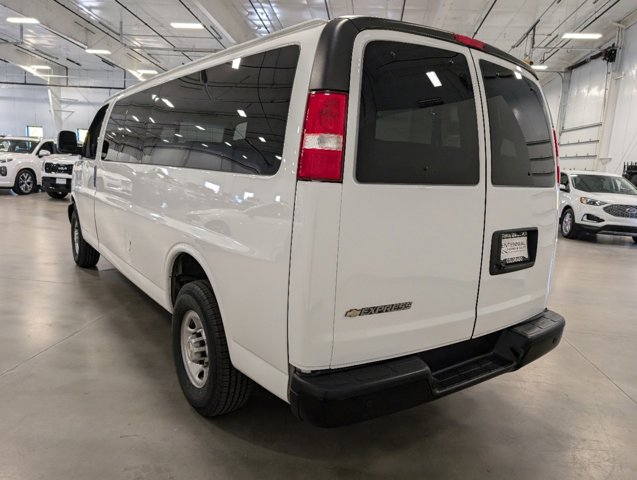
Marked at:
<point>84,255</point>
<point>223,388</point>
<point>568,227</point>
<point>25,183</point>
<point>635,239</point>
<point>57,195</point>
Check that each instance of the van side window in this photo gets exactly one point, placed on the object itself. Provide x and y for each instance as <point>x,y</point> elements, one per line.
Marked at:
<point>231,117</point>
<point>89,148</point>
<point>564,179</point>
<point>521,148</point>
<point>417,117</point>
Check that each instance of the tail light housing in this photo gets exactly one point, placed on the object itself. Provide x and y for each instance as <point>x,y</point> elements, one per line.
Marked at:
<point>557,156</point>
<point>323,141</point>
<point>469,42</point>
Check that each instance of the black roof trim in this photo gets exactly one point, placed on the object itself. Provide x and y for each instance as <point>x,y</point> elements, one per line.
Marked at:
<point>333,61</point>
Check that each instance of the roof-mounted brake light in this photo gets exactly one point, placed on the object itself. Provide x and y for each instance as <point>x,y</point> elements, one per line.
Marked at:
<point>469,42</point>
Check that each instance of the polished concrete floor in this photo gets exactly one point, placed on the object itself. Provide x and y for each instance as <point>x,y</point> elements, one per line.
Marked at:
<point>88,391</point>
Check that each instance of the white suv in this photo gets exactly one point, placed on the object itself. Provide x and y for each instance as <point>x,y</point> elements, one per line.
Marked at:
<point>596,202</point>
<point>358,215</point>
<point>21,162</point>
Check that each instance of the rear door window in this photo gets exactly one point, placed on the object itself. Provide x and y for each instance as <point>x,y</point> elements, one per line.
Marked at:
<point>417,120</point>
<point>520,130</point>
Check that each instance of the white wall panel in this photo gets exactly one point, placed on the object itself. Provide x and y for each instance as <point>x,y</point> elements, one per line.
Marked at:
<point>553,93</point>
<point>623,145</point>
<point>585,100</point>
<point>23,105</point>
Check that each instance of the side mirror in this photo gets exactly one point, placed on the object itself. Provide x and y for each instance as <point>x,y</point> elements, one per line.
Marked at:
<point>43,153</point>
<point>105,146</point>
<point>563,188</point>
<point>67,142</point>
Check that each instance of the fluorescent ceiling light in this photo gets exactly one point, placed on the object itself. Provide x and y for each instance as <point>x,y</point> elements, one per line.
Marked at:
<point>236,62</point>
<point>98,51</point>
<point>135,118</point>
<point>262,139</point>
<point>582,36</point>
<point>178,135</point>
<point>168,102</point>
<point>278,157</point>
<point>151,119</point>
<point>128,130</point>
<point>205,145</point>
<point>539,67</point>
<point>518,75</point>
<point>241,113</point>
<point>190,26</point>
<point>40,67</point>
<point>147,72</point>
<point>244,157</point>
<point>22,20</point>
<point>164,140</point>
<point>433,78</point>
<point>199,127</point>
<point>228,143</point>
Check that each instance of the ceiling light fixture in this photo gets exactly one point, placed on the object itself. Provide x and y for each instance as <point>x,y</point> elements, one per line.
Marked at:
<point>236,62</point>
<point>98,51</point>
<point>433,78</point>
<point>199,127</point>
<point>22,20</point>
<point>539,67</point>
<point>185,25</point>
<point>147,72</point>
<point>40,67</point>
<point>241,113</point>
<point>518,75</point>
<point>582,36</point>
<point>168,102</point>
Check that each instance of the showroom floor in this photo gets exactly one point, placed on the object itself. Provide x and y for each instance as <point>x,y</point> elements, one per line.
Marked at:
<point>88,390</point>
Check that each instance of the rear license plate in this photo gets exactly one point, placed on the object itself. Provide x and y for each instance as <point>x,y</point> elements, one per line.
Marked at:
<point>61,181</point>
<point>514,248</point>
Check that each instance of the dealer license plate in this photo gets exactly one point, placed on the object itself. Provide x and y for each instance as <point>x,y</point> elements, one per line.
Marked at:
<point>514,248</point>
<point>61,181</point>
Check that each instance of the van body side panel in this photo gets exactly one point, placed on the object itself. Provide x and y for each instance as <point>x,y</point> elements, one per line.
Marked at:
<point>520,131</point>
<point>239,223</point>
<point>313,274</point>
<point>409,250</point>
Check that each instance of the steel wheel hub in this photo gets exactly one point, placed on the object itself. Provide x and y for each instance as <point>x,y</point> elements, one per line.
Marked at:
<point>194,349</point>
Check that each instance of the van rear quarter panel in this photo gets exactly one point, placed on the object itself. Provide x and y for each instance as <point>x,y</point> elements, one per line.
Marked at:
<point>239,225</point>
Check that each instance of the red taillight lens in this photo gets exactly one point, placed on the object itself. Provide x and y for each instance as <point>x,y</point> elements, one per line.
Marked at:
<point>469,42</point>
<point>557,156</point>
<point>323,140</point>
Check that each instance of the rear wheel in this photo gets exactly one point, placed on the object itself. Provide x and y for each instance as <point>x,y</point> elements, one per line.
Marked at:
<point>207,377</point>
<point>24,182</point>
<point>84,255</point>
<point>568,227</point>
<point>57,195</point>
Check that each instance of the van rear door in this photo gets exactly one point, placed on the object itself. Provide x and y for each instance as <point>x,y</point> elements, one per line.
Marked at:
<point>521,216</point>
<point>413,197</point>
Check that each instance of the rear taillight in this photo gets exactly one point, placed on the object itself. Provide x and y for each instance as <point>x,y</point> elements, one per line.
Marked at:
<point>323,140</point>
<point>557,156</point>
<point>469,42</point>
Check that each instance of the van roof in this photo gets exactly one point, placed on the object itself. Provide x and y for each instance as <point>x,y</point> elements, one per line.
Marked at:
<point>333,59</point>
<point>591,172</point>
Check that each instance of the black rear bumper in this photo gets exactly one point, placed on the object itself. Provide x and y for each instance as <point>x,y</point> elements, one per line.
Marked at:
<point>339,397</point>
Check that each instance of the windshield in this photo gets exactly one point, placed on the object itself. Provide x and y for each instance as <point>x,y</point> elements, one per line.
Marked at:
<point>17,146</point>
<point>603,184</point>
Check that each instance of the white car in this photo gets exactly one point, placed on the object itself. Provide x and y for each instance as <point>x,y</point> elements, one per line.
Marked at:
<point>339,212</point>
<point>21,162</point>
<point>57,173</point>
<point>596,202</point>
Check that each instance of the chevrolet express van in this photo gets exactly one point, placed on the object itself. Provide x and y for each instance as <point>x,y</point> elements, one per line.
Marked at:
<point>359,215</point>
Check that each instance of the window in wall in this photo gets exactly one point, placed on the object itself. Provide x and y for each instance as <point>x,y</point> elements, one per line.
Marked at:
<point>418,120</point>
<point>223,118</point>
<point>35,131</point>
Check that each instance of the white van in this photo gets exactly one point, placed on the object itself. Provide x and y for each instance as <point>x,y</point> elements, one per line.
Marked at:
<point>358,215</point>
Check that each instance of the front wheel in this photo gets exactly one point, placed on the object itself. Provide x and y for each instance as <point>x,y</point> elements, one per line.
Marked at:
<point>84,255</point>
<point>207,377</point>
<point>24,183</point>
<point>568,226</point>
<point>57,195</point>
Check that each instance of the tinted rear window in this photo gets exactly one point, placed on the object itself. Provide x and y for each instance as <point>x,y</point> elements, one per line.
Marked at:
<point>417,117</point>
<point>521,148</point>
